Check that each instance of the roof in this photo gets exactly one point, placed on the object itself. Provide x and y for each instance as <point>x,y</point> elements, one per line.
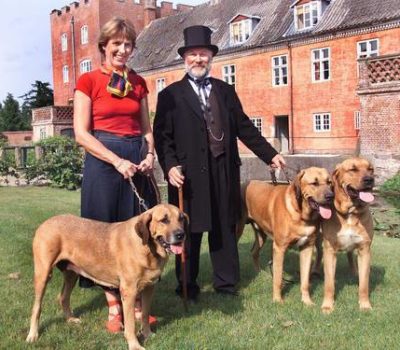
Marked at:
<point>158,43</point>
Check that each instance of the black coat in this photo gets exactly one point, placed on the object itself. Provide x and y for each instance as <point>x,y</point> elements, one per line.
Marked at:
<point>181,139</point>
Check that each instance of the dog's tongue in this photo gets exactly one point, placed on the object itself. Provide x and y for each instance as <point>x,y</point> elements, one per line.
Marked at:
<point>176,249</point>
<point>366,197</point>
<point>326,213</point>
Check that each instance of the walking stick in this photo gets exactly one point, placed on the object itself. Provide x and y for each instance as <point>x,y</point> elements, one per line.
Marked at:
<point>183,255</point>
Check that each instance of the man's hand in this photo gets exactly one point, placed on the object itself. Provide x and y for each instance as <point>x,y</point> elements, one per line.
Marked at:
<point>175,178</point>
<point>278,162</point>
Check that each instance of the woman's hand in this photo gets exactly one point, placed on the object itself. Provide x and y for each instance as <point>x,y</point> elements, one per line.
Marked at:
<point>126,168</point>
<point>146,166</point>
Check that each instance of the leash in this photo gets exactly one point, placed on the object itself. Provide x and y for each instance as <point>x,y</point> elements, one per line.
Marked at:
<point>285,173</point>
<point>140,199</point>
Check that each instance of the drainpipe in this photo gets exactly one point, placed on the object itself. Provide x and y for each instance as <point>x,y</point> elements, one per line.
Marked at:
<point>290,99</point>
<point>73,51</point>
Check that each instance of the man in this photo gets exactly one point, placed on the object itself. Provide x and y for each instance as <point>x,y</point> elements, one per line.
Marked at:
<point>197,123</point>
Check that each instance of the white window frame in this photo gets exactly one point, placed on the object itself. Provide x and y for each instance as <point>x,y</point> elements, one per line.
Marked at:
<point>64,42</point>
<point>311,15</point>
<point>369,52</point>
<point>42,133</point>
<point>136,1</point>
<point>243,32</point>
<point>321,61</point>
<point>65,74</point>
<point>280,70</point>
<point>85,66</point>
<point>229,74</point>
<point>322,122</point>
<point>258,123</point>
<point>84,34</point>
<point>357,120</point>
<point>160,84</point>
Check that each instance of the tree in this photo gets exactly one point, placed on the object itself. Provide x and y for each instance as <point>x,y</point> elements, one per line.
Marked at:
<point>41,95</point>
<point>10,115</point>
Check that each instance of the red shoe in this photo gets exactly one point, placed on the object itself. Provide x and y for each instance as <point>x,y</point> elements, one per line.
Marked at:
<point>115,325</point>
<point>138,316</point>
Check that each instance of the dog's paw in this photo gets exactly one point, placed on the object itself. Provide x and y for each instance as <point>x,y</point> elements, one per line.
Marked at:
<point>307,302</point>
<point>32,337</point>
<point>365,306</point>
<point>277,300</point>
<point>75,320</point>
<point>327,309</point>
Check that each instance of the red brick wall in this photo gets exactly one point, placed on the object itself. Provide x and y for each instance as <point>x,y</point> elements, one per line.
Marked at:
<point>337,96</point>
<point>84,14</point>
<point>18,138</point>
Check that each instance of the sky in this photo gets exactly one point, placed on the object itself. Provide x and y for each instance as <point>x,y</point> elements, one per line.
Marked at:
<point>25,43</point>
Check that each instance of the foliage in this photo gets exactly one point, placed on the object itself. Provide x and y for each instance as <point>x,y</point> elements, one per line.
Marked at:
<point>61,163</point>
<point>41,95</point>
<point>392,184</point>
<point>10,115</point>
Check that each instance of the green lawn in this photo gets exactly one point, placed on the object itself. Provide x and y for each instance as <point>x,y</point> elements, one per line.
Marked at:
<point>250,321</point>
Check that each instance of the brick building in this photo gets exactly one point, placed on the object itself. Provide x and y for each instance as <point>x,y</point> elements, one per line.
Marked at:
<point>379,92</point>
<point>75,29</point>
<point>294,64</point>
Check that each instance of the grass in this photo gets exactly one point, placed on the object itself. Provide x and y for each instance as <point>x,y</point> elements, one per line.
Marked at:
<point>250,321</point>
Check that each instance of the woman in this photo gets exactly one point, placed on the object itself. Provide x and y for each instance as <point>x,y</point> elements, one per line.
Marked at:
<point>110,120</point>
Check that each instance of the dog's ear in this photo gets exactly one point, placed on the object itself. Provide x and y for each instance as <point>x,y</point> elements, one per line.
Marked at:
<point>336,176</point>
<point>142,227</point>
<point>186,223</point>
<point>297,186</point>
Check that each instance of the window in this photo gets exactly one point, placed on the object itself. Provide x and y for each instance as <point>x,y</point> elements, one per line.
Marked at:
<point>65,73</point>
<point>84,34</point>
<point>307,15</point>
<point>42,133</point>
<point>257,121</point>
<point>64,42</point>
<point>320,64</point>
<point>357,120</point>
<point>279,70</point>
<point>322,122</point>
<point>136,1</point>
<point>160,84</point>
<point>240,31</point>
<point>86,66</point>
<point>229,75</point>
<point>368,48</point>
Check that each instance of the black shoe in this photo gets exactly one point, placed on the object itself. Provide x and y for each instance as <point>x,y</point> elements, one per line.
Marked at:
<point>230,292</point>
<point>193,291</point>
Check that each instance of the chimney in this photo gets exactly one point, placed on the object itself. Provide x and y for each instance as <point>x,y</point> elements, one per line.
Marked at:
<point>149,11</point>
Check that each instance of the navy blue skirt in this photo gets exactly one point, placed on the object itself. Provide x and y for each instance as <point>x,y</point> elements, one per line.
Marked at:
<point>106,195</point>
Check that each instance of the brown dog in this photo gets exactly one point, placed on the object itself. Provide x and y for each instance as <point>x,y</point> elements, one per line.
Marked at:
<point>350,227</point>
<point>291,215</point>
<point>128,255</point>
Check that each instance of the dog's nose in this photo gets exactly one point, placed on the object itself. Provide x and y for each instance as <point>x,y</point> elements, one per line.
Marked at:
<point>329,196</point>
<point>368,181</point>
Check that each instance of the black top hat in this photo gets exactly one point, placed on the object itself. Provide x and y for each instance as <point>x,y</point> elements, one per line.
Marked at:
<point>197,36</point>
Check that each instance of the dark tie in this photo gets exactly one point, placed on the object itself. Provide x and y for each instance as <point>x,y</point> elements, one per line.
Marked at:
<point>201,86</point>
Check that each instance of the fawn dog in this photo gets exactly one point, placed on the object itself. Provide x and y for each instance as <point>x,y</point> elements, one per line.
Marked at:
<point>128,255</point>
<point>350,227</point>
<point>290,214</point>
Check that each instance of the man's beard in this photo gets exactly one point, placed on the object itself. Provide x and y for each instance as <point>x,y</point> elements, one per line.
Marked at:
<point>197,72</point>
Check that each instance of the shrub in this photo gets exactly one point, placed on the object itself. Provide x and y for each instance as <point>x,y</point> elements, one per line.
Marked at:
<point>61,163</point>
<point>392,184</point>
